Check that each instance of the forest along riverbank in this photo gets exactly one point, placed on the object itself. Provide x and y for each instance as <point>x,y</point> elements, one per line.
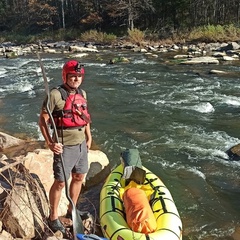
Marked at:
<point>181,118</point>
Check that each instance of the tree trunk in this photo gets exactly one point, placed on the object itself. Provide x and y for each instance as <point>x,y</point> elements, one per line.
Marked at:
<point>63,15</point>
<point>130,16</point>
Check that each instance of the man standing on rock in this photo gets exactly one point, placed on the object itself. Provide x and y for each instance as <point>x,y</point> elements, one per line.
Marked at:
<point>68,106</point>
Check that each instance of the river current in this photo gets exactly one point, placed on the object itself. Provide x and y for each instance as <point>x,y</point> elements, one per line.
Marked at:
<point>181,119</point>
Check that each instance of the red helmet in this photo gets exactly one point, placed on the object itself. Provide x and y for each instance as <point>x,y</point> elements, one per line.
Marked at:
<point>72,66</point>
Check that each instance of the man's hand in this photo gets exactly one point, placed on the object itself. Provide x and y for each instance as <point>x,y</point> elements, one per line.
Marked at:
<point>57,148</point>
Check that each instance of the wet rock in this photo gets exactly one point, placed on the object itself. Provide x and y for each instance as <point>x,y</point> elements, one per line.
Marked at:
<point>234,153</point>
<point>81,49</point>
<point>201,60</point>
<point>219,72</point>
<point>119,60</point>
<point>181,56</point>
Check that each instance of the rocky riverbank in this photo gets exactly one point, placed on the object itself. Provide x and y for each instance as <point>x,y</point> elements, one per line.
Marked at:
<point>25,181</point>
<point>201,53</point>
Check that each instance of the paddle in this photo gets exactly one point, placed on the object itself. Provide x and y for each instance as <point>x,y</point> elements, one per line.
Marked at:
<point>76,218</point>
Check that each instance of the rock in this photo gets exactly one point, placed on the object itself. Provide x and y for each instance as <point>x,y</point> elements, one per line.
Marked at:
<point>5,188</point>
<point>78,55</point>
<point>11,55</point>
<point>119,60</point>
<point>163,50</point>
<point>54,238</point>
<point>234,153</point>
<point>229,46</point>
<point>97,162</point>
<point>49,50</point>
<point>5,236</point>
<point>39,162</point>
<point>176,47</point>
<point>233,53</point>
<point>217,72</point>
<point>152,48</point>
<point>181,56</point>
<point>7,141</point>
<point>228,58</point>
<point>81,49</point>
<point>143,50</point>
<point>149,54</point>
<point>26,206</point>
<point>236,234</point>
<point>219,54</point>
<point>57,236</point>
<point>201,60</point>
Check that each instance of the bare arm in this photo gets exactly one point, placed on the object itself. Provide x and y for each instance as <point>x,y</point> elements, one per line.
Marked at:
<point>88,136</point>
<point>43,124</point>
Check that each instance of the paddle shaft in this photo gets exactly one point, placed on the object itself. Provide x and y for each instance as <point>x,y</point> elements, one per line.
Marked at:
<point>77,221</point>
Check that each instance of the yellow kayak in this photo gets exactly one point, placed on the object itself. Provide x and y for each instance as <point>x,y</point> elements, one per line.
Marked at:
<point>112,216</point>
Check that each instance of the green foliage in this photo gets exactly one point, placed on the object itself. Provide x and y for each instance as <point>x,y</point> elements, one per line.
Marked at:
<point>136,36</point>
<point>164,18</point>
<point>17,38</point>
<point>2,39</point>
<point>232,30</point>
<point>216,33</point>
<point>61,34</point>
<point>96,36</point>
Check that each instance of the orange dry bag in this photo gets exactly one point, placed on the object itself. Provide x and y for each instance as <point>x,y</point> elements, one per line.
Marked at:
<point>139,215</point>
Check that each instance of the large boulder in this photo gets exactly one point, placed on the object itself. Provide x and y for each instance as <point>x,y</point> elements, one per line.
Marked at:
<point>40,162</point>
<point>26,206</point>
<point>229,46</point>
<point>7,141</point>
<point>26,180</point>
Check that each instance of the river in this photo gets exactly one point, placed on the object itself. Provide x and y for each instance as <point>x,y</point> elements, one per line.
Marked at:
<point>181,119</point>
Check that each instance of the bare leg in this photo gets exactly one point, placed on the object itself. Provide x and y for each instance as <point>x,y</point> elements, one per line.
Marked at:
<point>75,188</point>
<point>54,198</point>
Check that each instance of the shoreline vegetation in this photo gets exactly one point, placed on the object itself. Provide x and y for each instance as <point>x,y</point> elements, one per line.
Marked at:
<point>207,34</point>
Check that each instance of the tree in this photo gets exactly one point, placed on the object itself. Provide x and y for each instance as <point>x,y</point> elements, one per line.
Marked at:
<point>40,14</point>
<point>126,12</point>
<point>159,16</point>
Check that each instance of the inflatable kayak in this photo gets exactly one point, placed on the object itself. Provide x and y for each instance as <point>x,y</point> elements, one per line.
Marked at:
<point>113,216</point>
